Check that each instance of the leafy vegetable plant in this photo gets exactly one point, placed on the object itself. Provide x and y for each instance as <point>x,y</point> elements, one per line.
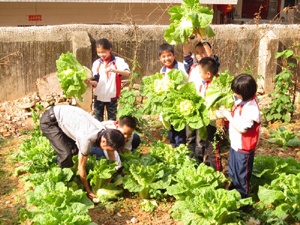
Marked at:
<point>284,196</point>
<point>276,166</point>
<point>173,158</point>
<point>55,203</point>
<point>147,177</point>
<point>219,93</point>
<point>71,75</point>
<point>282,106</point>
<point>284,138</point>
<point>156,87</point>
<point>209,206</point>
<point>189,18</point>
<point>189,177</point>
<point>185,106</point>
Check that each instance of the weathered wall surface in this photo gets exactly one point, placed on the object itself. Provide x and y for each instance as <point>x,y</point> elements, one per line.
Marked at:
<point>239,47</point>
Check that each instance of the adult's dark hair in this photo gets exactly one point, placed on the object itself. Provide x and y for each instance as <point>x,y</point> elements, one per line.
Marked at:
<point>114,138</point>
<point>201,44</point>
<point>244,85</point>
<point>104,43</point>
<point>209,64</point>
<point>166,48</point>
<point>128,121</point>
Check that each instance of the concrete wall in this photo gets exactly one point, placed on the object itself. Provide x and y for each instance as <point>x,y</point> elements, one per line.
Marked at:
<point>239,47</point>
<point>57,13</point>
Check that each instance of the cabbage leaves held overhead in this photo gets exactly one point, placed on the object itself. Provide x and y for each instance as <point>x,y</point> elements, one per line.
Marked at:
<point>71,75</point>
<point>189,18</point>
<point>219,93</point>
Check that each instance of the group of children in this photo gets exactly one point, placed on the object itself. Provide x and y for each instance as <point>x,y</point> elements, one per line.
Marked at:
<point>200,68</point>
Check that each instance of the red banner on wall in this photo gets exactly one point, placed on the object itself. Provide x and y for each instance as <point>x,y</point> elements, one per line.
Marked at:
<point>35,17</point>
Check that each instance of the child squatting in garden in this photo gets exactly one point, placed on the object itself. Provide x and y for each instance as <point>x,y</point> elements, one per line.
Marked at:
<point>126,125</point>
<point>166,55</point>
<point>206,70</point>
<point>244,131</point>
<point>107,71</point>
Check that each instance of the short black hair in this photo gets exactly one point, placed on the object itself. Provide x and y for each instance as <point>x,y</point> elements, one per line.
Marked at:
<point>114,138</point>
<point>244,85</point>
<point>201,44</point>
<point>104,43</point>
<point>209,64</point>
<point>128,121</point>
<point>165,47</point>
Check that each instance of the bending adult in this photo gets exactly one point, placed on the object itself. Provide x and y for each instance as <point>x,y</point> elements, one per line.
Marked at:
<point>71,131</point>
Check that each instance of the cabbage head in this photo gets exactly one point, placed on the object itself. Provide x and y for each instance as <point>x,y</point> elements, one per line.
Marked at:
<point>162,85</point>
<point>186,107</point>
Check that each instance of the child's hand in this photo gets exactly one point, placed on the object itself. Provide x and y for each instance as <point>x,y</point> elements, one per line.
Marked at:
<point>87,81</point>
<point>110,70</point>
<point>224,112</point>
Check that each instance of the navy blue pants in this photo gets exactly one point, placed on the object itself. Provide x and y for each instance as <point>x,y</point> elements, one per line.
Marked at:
<point>135,143</point>
<point>176,137</point>
<point>111,108</point>
<point>240,166</point>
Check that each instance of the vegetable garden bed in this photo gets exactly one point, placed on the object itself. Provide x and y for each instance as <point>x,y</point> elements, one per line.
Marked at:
<point>128,209</point>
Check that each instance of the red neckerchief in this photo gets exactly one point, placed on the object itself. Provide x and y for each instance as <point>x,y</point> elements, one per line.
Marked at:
<point>106,65</point>
<point>170,67</point>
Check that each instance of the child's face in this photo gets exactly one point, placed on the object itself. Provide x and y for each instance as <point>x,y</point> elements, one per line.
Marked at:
<point>206,76</point>
<point>238,96</point>
<point>103,53</point>
<point>167,58</point>
<point>200,53</point>
<point>126,131</point>
<point>104,146</point>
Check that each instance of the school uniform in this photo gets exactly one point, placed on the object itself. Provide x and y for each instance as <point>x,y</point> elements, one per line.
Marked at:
<point>108,86</point>
<point>131,143</point>
<point>176,137</point>
<point>241,156</point>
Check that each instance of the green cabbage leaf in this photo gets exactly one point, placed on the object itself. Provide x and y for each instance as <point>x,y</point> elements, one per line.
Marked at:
<point>185,106</point>
<point>156,88</point>
<point>71,75</point>
<point>189,18</point>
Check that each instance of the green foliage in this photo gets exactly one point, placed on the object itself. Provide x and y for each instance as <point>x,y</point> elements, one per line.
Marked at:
<point>219,92</point>
<point>129,106</point>
<point>148,205</point>
<point>109,192</point>
<point>282,106</point>
<point>189,18</point>
<point>55,203</point>
<point>55,174</point>
<point>103,169</point>
<point>268,168</point>
<point>71,75</point>
<point>156,88</point>
<point>210,206</point>
<point>37,155</point>
<point>284,196</point>
<point>146,176</point>
<point>190,177</point>
<point>197,117</point>
<point>173,158</point>
<point>284,138</point>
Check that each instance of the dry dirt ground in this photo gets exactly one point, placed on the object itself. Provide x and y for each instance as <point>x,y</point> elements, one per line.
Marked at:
<point>126,210</point>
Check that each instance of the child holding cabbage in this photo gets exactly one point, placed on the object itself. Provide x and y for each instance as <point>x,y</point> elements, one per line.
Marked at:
<point>244,131</point>
<point>207,70</point>
<point>167,58</point>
